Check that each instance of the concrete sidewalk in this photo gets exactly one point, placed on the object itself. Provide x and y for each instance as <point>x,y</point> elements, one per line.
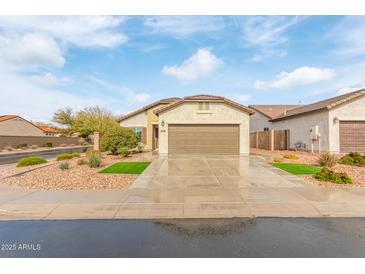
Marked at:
<point>191,187</point>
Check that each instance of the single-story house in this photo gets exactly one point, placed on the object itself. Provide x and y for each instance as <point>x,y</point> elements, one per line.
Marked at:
<point>335,125</point>
<point>261,119</point>
<point>50,132</point>
<point>200,124</point>
<point>14,125</point>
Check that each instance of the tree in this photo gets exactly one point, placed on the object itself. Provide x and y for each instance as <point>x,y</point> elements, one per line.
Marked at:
<point>93,119</point>
<point>65,117</point>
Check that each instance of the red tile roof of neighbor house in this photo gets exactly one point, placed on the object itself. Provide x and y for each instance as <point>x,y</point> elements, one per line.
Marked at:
<point>272,111</point>
<point>7,117</point>
<point>322,105</point>
<point>204,97</point>
<point>50,130</point>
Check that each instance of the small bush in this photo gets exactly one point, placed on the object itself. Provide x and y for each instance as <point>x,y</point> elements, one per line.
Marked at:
<point>67,156</point>
<point>93,152</point>
<point>140,147</point>
<point>8,148</point>
<point>48,144</point>
<point>327,159</point>
<point>29,161</point>
<point>123,151</point>
<point>94,161</point>
<point>21,146</point>
<point>64,165</point>
<point>118,137</point>
<point>33,146</point>
<point>291,156</point>
<point>276,160</point>
<point>353,159</point>
<point>329,175</point>
<point>81,162</point>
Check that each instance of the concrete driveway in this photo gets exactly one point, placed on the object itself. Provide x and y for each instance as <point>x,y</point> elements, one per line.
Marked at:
<point>191,187</point>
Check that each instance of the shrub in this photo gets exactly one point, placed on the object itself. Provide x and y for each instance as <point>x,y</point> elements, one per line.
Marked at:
<point>48,144</point>
<point>21,146</point>
<point>327,159</point>
<point>291,156</point>
<point>8,148</point>
<point>64,165</point>
<point>93,152</point>
<point>276,160</point>
<point>81,162</point>
<point>67,156</point>
<point>33,146</point>
<point>117,137</point>
<point>353,159</point>
<point>123,151</point>
<point>29,161</point>
<point>94,161</point>
<point>140,146</point>
<point>329,175</point>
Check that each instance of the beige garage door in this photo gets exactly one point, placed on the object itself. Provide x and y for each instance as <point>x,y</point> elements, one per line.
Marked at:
<point>352,136</point>
<point>203,139</point>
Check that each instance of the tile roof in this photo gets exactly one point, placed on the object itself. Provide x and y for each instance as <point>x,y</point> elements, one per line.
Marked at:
<point>272,111</point>
<point>205,97</point>
<point>50,130</point>
<point>162,101</point>
<point>7,117</point>
<point>322,105</point>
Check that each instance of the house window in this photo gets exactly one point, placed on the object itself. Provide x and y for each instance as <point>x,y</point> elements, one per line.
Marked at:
<point>203,106</point>
<point>266,129</point>
<point>138,131</point>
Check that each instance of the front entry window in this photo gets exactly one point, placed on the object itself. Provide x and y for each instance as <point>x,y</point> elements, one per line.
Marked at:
<point>138,131</point>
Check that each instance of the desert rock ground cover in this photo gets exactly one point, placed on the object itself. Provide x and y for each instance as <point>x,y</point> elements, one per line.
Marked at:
<point>356,173</point>
<point>50,176</point>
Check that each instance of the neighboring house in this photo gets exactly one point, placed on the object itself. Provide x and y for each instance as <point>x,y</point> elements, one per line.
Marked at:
<point>260,120</point>
<point>201,124</point>
<point>50,132</point>
<point>13,125</point>
<point>336,124</point>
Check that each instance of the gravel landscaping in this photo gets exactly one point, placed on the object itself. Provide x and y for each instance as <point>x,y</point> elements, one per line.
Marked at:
<point>356,173</point>
<point>50,176</point>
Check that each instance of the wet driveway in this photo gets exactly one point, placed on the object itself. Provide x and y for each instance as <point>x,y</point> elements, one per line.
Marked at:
<point>260,237</point>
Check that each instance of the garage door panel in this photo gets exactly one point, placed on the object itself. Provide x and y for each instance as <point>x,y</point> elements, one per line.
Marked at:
<point>203,139</point>
<point>352,136</point>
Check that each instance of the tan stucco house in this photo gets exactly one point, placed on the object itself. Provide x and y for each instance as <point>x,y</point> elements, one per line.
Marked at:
<point>336,124</point>
<point>13,125</point>
<point>200,124</point>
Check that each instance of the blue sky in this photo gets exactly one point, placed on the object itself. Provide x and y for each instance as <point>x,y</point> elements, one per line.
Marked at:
<point>123,63</point>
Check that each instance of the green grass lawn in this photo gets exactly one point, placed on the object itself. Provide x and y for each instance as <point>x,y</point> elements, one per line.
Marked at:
<point>295,168</point>
<point>126,168</point>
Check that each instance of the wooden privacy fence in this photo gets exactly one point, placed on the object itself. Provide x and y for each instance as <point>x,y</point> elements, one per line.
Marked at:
<point>270,140</point>
<point>13,141</point>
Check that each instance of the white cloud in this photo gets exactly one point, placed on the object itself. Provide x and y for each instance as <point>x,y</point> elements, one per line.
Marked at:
<point>202,63</point>
<point>349,36</point>
<point>48,79</point>
<point>184,26</point>
<point>31,50</point>
<point>140,97</point>
<point>241,97</point>
<point>298,77</point>
<point>81,31</point>
<point>345,90</point>
<point>267,30</point>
